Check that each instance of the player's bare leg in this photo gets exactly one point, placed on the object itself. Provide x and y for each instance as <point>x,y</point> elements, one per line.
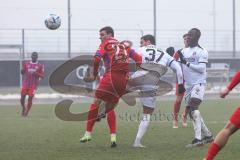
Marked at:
<point>147,112</point>
<point>29,105</point>
<point>220,140</point>
<point>22,101</point>
<point>176,109</point>
<point>184,116</point>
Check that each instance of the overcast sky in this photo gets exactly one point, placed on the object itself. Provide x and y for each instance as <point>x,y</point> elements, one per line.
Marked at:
<point>124,14</point>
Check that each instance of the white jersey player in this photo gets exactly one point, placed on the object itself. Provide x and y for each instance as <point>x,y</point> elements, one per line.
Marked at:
<point>154,65</point>
<point>194,60</point>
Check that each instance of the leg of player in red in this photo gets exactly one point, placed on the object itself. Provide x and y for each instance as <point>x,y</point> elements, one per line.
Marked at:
<point>29,105</point>
<point>22,101</point>
<point>232,126</point>
<point>106,93</point>
<point>93,115</point>
<point>222,137</point>
<point>184,116</point>
<point>177,105</point>
<point>176,109</point>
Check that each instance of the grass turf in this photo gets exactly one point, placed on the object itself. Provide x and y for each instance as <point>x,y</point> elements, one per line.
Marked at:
<point>43,136</point>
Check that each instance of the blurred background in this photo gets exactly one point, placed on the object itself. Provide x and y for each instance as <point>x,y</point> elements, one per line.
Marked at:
<point>22,31</point>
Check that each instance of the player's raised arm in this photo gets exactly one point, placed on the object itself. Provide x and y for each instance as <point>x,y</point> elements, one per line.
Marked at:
<point>136,57</point>
<point>235,80</point>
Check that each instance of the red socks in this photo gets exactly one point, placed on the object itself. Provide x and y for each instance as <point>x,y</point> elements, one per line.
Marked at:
<point>212,151</point>
<point>92,115</point>
<point>111,118</point>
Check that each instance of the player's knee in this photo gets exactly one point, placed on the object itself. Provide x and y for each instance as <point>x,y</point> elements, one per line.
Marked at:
<point>146,117</point>
<point>230,128</point>
<point>195,114</point>
<point>98,101</point>
<point>30,98</point>
<point>195,102</point>
<point>147,110</point>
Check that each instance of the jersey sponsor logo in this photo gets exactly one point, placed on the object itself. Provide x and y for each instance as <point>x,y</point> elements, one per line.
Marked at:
<point>191,59</point>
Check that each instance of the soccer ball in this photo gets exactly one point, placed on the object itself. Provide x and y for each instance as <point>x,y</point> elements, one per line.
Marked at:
<point>53,21</point>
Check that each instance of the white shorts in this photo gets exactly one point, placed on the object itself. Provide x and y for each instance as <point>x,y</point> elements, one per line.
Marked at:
<point>194,91</point>
<point>147,85</point>
<point>148,101</point>
<point>149,98</point>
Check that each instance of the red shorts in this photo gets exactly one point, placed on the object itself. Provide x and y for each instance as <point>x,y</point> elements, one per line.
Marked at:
<point>235,118</point>
<point>112,86</point>
<point>28,91</point>
<point>178,94</point>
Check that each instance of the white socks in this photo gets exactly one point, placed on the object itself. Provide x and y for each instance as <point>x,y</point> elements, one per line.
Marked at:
<point>205,130</point>
<point>142,127</point>
<point>199,125</point>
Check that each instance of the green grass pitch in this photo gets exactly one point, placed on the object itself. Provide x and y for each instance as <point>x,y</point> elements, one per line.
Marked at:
<point>43,136</point>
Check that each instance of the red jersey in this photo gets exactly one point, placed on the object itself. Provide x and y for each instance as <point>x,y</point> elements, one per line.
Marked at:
<point>116,56</point>
<point>32,72</point>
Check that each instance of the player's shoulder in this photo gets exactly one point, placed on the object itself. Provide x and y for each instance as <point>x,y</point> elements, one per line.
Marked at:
<point>202,50</point>
<point>111,40</point>
<point>27,63</point>
<point>141,50</point>
<point>186,49</point>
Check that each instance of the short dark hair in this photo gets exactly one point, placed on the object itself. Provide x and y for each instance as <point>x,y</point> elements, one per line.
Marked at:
<point>150,38</point>
<point>108,30</point>
<point>185,35</point>
<point>34,53</point>
<point>198,32</point>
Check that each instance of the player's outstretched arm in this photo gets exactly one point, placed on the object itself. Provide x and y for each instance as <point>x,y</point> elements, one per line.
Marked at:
<point>93,71</point>
<point>135,56</point>
<point>235,80</point>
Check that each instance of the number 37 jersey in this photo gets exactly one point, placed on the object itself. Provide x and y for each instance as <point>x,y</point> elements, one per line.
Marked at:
<point>154,59</point>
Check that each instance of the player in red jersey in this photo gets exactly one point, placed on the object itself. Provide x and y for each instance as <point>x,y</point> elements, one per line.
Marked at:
<point>179,96</point>
<point>112,86</point>
<point>32,72</point>
<point>231,127</point>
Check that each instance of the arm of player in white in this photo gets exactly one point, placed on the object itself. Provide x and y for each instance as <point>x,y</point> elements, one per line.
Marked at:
<point>202,63</point>
<point>200,67</point>
<point>174,65</point>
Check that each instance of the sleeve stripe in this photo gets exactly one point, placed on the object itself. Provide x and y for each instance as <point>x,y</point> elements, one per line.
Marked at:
<point>132,52</point>
<point>98,54</point>
<point>170,63</point>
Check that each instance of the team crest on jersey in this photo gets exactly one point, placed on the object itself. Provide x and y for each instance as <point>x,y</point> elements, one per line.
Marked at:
<point>194,53</point>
